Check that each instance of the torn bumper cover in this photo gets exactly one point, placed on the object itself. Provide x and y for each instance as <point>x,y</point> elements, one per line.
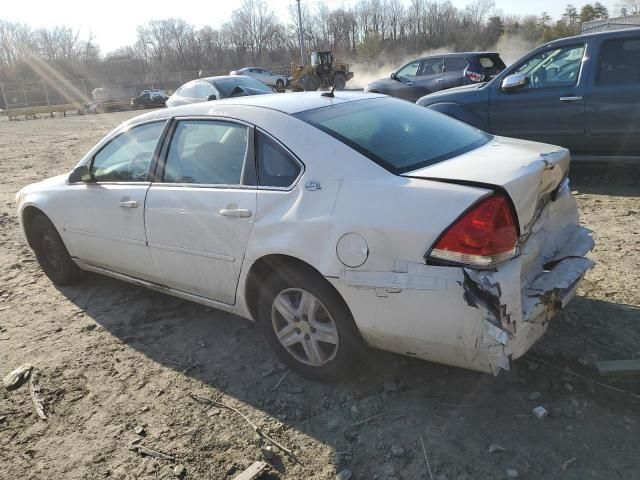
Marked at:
<point>477,319</point>
<point>520,297</point>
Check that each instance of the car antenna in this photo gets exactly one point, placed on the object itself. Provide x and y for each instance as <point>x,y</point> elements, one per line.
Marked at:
<point>330,94</point>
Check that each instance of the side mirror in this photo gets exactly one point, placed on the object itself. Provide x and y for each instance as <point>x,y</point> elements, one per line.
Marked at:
<point>393,76</point>
<point>211,97</point>
<point>80,174</point>
<point>513,82</point>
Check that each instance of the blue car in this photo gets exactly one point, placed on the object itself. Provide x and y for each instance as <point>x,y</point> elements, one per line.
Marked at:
<point>581,92</point>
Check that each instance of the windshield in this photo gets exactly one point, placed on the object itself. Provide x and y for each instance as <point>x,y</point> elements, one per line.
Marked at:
<point>226,86</point>
<point>398,135</point>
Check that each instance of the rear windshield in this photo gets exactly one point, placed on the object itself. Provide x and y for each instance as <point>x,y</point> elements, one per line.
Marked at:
<point>491,64</point>
<point>248,84</point>
<point>398,135</point>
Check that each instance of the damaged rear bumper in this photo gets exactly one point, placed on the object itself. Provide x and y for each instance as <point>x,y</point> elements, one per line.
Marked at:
<point>477,319</point>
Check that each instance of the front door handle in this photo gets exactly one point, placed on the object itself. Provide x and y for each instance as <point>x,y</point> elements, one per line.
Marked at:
<point>570,99</point>
<point>128,204</point>
<point>235,212</point>
<point>439,79</point>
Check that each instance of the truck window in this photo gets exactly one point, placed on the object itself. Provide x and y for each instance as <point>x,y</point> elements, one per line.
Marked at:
<point>558,67</point>
<point>619,62</point>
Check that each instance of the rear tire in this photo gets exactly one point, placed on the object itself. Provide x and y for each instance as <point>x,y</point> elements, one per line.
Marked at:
<point>52,255</point>
<point>339,81</point>
<point>321,338</point>
<point>280,85</point>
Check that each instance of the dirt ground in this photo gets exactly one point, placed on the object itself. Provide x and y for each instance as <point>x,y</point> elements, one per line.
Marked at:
<point>116,360</point>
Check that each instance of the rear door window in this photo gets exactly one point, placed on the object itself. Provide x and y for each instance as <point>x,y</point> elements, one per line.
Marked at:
<point>431,66</point>
<point>399,136</point>
<point>619,62</point>
<point>455,64</point>
<point>207,152</point>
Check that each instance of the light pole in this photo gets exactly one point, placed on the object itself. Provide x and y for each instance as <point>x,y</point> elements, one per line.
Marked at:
<point>301,39</point>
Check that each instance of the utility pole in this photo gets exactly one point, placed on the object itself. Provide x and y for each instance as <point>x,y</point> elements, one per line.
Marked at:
<point>301,39</point>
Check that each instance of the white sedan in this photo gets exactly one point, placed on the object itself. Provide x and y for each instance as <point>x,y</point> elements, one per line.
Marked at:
<point>265,76</point>
<point>334,222</point>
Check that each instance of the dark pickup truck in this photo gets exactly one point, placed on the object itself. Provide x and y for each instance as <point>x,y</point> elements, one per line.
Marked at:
<point>580,92</point>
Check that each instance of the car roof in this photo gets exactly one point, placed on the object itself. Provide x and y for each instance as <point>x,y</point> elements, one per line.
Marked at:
<point>219,77</point>
<point>457,54</point>
<point>289,103</point>
<point>607,33</point>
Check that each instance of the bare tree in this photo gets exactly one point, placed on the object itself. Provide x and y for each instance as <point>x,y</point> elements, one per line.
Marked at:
<point>630,7</point>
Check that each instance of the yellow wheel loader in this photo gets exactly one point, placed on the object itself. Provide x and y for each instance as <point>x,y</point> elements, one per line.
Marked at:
<point>321,72</point>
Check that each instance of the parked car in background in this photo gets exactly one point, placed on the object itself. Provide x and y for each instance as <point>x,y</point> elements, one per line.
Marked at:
<point>438,72</point>
<point>265,76</point>
<point>334,222</point>
<point>149,99</point>
<point>581,92</point>
<point>217,88</point>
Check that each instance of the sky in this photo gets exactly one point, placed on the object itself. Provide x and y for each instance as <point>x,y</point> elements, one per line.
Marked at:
<point>113,23</point>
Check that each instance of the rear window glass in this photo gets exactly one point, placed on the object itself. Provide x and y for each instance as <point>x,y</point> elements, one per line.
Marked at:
<point>233,86</point>
<point>398,135</point>
<point>491,64</point>
<point>486,62</point>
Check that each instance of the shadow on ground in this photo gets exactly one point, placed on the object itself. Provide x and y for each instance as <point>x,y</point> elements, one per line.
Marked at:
<point>374,422</point>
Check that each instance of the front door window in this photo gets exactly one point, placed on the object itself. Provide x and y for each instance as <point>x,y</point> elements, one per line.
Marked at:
<point>559,67</point>
<point>127,157</point>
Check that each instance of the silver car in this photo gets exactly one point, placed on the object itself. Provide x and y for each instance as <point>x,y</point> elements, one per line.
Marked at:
<point>217,88</point>
<point>265,76</point>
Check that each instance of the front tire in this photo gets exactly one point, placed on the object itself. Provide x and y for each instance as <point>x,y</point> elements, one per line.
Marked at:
<point>280,85</point>
<point>52,255</point>
<point>308,325</point>
<point>310,83</point>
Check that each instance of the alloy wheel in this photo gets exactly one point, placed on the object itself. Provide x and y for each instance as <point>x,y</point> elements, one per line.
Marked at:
<point>304,327</point>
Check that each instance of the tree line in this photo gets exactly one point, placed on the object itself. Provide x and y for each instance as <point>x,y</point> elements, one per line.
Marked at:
<point>254,35</point>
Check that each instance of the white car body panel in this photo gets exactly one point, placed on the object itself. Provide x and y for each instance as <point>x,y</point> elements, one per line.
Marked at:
<point>192,244</point>
<point>525,180</point>
<point>459,316</point>
<point>267,77</point>
<point>112,236</point>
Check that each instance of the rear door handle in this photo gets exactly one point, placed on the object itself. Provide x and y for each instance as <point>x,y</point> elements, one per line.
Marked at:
<point>570,99</point>
<point>439,79</point>
<point>235,212</point>
<point>128,204</point>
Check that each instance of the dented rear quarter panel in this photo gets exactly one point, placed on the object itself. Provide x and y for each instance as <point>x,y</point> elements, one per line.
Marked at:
<point>398,302</point>
<point>399,217</point>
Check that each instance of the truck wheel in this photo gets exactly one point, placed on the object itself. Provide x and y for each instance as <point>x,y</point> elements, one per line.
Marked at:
<point>308,325</point>
<point>310,83</point>
<point>52,255</point>
<point>339,81</point>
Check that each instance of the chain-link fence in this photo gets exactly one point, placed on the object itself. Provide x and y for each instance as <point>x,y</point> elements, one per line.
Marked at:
<point>59,91</point>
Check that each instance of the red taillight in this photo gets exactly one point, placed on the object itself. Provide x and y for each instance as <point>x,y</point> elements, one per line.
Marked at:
<point>474,77</point>
<point>482,237</point>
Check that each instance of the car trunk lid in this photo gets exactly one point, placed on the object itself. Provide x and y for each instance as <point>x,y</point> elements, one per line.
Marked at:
<point>530,173</point>
<point>519,296</point>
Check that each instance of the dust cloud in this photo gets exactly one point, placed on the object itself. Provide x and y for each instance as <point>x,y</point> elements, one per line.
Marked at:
<point>510,47</point>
